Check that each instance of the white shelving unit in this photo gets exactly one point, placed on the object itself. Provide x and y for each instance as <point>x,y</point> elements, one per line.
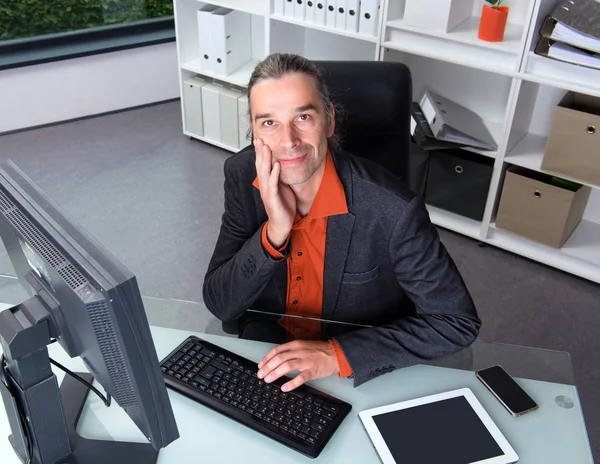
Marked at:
<point>514,90</point>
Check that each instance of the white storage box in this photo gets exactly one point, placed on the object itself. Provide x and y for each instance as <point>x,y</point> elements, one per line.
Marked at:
<point>438,15</point>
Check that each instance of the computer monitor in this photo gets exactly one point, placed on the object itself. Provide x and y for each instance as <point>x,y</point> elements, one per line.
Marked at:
<point>87,301</point>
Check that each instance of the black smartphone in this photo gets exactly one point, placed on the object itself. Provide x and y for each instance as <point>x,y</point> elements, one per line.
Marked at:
<point>506,390</point>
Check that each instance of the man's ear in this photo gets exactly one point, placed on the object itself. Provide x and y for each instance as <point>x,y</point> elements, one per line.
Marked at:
<point>331,124</point>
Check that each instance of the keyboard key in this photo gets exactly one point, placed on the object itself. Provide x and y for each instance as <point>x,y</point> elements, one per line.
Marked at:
<point>178,376</point>
<point>330,407</point>
<point>188,346</point>
<point>317,426</point>
<point>318,401</point>
<point>328,414</point>
<point>208,372</point>
<point>311,440</point>
<point>220,365</point>
<point>176,357</point>
<point>305,429</point>
<point>315,434</point>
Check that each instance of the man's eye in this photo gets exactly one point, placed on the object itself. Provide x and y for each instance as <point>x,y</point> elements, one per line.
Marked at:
<point>304,117</point>
<point>268,123</point>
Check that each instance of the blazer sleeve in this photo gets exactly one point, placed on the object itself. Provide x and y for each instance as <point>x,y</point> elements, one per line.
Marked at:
<point>240,268</point>
<point>445,319</point>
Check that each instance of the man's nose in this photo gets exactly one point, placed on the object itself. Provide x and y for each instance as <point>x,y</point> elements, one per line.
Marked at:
<point>289,136</point>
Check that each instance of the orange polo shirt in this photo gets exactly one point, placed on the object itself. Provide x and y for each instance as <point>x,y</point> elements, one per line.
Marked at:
<point>306,263</point>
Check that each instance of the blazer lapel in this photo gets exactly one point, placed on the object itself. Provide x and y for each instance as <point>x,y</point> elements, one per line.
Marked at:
<point>337,243</point>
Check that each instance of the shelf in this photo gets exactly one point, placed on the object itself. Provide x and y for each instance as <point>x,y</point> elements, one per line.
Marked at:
<point>460,46</point>
<point>455,222</point>
<point>466,32</point>
<point>212,142</point>
<point>306,25</point>
<point>528,154</point>
<point>579,256</point>
<point>239,77</point>
<point>257,7</point>
<point>545,70</point>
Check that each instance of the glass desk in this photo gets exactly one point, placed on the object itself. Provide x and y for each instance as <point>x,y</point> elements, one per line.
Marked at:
<point>554,433</point>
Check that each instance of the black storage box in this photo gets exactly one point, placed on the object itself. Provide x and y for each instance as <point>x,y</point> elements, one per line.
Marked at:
<point>418,166</point>
<point>458,181</point>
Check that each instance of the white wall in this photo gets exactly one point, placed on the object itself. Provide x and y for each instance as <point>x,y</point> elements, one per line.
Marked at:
<point>52,92</point>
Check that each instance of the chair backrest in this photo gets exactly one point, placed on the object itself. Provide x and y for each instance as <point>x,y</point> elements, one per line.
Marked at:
<point>376,96</point>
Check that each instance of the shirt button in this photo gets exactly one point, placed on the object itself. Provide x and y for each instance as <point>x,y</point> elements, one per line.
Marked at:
<point>299,253</point>
<point>295,302</point>
<point>298,278</point>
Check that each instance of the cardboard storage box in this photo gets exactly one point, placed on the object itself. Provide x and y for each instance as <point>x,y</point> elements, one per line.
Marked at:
<point>573,147</point>
<point>458,181</point>
<point>438,15</point>
<point>540,207</point>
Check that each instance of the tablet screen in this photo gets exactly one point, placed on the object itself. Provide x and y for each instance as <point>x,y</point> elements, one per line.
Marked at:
<point>447,431</point>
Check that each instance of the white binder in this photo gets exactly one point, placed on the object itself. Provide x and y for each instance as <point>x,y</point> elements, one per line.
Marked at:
<point>369,17</point>
<point>204,39</point>
<point>192,105</point>
<point>278,7</point>
<point>228,116</point>
<point>342,12</point>
<point>331,14</point>
<point>452,122</point>
<point>288,8</point>
<point>311,7</point>
<point>244,122</point>
<point>299,9</point>
<point>320,12</point>
<point>232,39</point>
<point>353,15</point>
<point>210,111</point>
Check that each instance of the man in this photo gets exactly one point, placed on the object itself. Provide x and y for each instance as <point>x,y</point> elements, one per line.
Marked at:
<point>310,230</point>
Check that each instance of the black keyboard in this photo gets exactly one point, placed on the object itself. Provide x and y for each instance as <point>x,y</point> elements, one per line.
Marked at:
<point>303,419</point>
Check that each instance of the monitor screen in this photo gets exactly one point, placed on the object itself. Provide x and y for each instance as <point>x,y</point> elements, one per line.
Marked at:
<point>94,301</point>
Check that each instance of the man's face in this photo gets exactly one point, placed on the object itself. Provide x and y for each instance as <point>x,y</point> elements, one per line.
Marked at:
<point>288,115</point>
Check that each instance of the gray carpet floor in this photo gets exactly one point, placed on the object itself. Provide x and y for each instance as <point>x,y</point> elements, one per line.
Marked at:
<point>154,198</point>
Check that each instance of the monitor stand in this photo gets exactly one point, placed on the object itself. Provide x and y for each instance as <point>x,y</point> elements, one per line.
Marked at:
<point>88,451</point>
<point>30,389</point>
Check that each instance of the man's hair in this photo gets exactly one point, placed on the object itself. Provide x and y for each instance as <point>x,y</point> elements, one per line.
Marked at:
<point>278,65</point>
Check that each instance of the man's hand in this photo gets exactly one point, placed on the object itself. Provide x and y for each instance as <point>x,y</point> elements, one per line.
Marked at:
<point>278,198</point>
<point>313,359</point>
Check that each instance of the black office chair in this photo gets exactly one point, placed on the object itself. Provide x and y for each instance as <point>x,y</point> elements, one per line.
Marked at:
<point>375,97</point>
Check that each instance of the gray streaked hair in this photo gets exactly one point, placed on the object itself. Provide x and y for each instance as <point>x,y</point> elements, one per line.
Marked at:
<point>278,65</point>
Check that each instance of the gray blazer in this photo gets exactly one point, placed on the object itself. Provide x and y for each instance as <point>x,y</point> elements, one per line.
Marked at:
<point>384,267</point>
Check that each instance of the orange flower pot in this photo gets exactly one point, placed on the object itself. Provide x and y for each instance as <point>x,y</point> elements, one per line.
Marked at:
<point>493,23</point>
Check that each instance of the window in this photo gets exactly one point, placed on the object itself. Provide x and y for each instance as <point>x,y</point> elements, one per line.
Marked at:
<point>34,31</point>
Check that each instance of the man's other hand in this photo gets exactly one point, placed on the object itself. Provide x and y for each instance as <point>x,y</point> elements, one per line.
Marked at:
<point>278,198</point>
<point>314,360</point>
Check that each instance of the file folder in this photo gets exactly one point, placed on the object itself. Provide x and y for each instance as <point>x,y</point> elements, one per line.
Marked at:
<point>369,17</point>
<point>422,134</point>
<point>331,14</point>
<point>210,111</point>
<point>578,24</point>
<point>244,122</point>
<point>232,40</point>
<point>204,38</point>
<point>342,12</point>
<point>562,52</point>
<point>451,122</point>
<point>278,6</point>
<point>229,117</point>
<point>353,15</point>
<point>288,8</point>
<point>192,105</point>
<point>299,10</point>
<point>320,12</point>
<point>311,8</point>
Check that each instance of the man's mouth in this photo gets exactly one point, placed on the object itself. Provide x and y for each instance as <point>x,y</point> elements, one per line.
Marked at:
<point>292,161</point>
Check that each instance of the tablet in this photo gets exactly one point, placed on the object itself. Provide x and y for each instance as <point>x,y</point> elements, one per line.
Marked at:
<point>449,428</point>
